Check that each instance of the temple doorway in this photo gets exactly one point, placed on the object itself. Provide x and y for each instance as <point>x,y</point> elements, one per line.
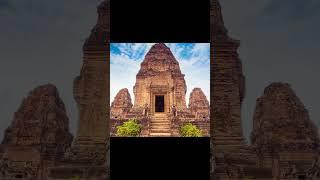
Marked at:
<point>159,104</point>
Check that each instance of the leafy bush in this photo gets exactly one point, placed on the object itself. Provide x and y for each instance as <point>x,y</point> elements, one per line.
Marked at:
<point>129,128</point>
<point>190,130</point>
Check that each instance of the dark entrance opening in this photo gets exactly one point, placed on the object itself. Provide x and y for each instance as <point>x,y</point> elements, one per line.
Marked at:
<point>159,104</point>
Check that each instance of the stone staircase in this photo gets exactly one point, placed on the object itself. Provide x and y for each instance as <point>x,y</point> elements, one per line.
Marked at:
<point>160,125</point>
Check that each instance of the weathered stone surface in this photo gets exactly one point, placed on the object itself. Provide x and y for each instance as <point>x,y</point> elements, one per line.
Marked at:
<point>160,75</point>
<point>38,135</point>
<point>233,158</point>
<point>121,104</point>
<point>227,85</point>
<point>88,158</point>
<point>282,123</point>
<point>40,119</point>
<point>283,135</point>
<point>285,142</point>
<point>199,104</point>
<point>90,88</point>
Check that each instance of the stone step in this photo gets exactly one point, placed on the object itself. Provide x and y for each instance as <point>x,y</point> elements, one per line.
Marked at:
<point>160,134</point>
<point>160,130</point>
<point>153,132</point>
<point>160,121</point>
<point>160,126</point>
<point>159,118</point>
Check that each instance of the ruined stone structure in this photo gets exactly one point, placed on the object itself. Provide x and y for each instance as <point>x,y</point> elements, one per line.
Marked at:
<point>283,135</point>
<point>121,104</point>
<point>87,158</point>
<point>160,92</point>
<point>227,83</point>
<point>37,144</point>
<point>198,104</point>
<point>37,137</point>
<point>232,156</point>
<point>160,83</point>
<point>285,143</point>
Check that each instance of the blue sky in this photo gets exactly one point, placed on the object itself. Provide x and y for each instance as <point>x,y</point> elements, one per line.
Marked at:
<point>125,59</point>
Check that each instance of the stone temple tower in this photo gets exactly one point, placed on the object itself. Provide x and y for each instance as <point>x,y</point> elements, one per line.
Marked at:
<point>90,88</point>
<point>227,84</point>
<point>160,83</point>
<point>88,157</point>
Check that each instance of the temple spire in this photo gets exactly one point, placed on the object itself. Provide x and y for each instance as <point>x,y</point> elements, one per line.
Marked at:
<point>217,23</point>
